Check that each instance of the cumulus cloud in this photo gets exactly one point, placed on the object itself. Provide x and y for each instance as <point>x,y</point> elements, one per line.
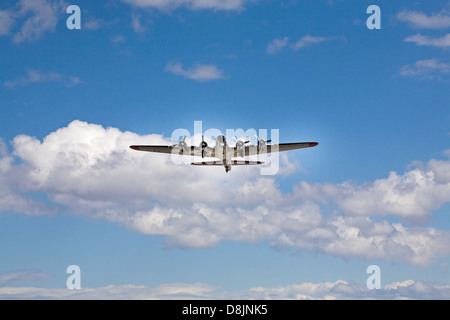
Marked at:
<point>339,289</point>
<point>36,76</point>
<point>412,196</point>
<point>90,170</point>
<point>200,72</point>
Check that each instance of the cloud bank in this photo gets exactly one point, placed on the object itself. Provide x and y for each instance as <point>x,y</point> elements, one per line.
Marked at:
<point>90,170</point>
<point>339,289</point>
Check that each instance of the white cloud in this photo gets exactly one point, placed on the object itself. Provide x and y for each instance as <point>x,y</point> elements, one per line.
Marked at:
<point>136,24</point>
<point>276,45</point>
<point>164,291</point>
<point>340,289</point>
<point>421,40</point>
<point>307,41</point>
<point>40,16</point>
<point>23,275</point>
<point>190,4</point>
<point>93,24</point>
<point>35,76</point>
<point>421,20</point>
<point>90,170</point>
<point>200,72</point>
<point>431,68</point>
<point>118,38</point>
<point>6,22</point>
<point>411,196</point>
<point>11,197</point>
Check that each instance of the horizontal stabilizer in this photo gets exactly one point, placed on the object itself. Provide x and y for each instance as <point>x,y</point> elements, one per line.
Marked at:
<point>245,162</point>
<point>233,162</point>
<point>208,163</point>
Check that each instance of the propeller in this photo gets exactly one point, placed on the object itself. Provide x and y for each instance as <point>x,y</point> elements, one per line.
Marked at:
<point>262,144</point>
<point>264,141</point>
<point>203,145</point>
<point>183,145</point>
<point>240,146</point>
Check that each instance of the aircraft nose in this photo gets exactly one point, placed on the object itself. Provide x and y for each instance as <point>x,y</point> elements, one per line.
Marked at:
<point>313,144</point>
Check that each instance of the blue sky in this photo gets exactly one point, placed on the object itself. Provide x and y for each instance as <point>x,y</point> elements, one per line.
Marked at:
<point>376,190</point>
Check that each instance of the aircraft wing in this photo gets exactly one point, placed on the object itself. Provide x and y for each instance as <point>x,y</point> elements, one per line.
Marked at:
<point>290,146</point>
<point>252,149</point>
<point>249,150</point>
<point>164,149</point>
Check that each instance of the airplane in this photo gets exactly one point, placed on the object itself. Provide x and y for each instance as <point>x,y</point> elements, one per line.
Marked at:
<point>223,151</point>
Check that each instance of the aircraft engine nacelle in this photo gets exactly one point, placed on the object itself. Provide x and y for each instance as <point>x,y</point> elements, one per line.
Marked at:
<point>262,144</point>
<point>240,147</point>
